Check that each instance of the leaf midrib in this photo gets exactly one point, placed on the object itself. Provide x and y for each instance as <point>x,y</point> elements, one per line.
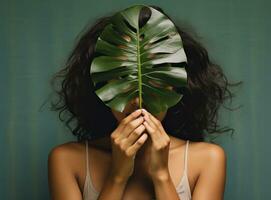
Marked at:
<point>139,70</point>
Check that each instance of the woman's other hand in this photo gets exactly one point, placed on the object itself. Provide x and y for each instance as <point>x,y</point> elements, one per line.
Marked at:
<point>156,155</point>
<point>126,140</point>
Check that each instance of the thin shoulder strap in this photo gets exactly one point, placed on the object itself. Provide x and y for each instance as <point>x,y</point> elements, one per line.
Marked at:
<point>186,155</point>
<point>87,156</point>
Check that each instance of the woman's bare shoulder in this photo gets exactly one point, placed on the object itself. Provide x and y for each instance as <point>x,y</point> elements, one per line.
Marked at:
<point>207,148</point>
<point>66,153</point>
<point>67,149</point>
<point>202,152</point>
<point>209,161</point>
<point>202,147</point>
<point>74,151</point>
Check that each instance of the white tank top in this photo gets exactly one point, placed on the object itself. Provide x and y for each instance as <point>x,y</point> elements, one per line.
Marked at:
<point>183,188</point>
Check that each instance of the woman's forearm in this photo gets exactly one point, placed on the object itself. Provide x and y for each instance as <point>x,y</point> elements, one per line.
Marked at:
<point>164,187</point>
<point>112,189</point>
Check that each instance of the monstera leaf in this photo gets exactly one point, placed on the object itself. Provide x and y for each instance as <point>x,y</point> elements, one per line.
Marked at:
<point>136,61</point>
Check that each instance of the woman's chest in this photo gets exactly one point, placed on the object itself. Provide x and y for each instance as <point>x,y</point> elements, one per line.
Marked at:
<point>139,189</point>
<point>138,186</point>
<point>135,188</point>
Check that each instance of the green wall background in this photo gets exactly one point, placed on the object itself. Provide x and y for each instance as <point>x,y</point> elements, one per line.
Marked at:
<point>36,37</point>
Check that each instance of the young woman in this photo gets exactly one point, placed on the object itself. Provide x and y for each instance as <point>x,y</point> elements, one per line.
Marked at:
<point>134,155</point>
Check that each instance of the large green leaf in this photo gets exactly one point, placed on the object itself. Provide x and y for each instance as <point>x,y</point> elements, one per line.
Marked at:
<point>139,60</point>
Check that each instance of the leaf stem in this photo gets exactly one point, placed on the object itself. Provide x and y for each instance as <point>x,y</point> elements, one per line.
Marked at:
<point>139,70</point>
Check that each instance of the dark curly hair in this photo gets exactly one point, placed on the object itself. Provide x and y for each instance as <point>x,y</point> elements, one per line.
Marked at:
<point>195,116</point>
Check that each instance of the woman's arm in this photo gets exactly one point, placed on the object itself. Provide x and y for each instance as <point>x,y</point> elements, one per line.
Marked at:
<point>165,188</point>
<point>211,182</point>
<point>126,140</point>
<point>113,188</point>
<point>62,182</point>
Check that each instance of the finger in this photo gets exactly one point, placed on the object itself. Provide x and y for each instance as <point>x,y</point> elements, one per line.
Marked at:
<point>130,127</point>
<point>125,121</point>
<point>134,135</point>
<point>147,118</point>
<point>135,147</point>
<point>151,131</point>
<point>157,124</point>
<point>154,120</point>
<point>131,117</point>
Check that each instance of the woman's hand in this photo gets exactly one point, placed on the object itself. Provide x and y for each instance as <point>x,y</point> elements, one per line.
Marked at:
<point>156,158</point>
<point>126,139</point>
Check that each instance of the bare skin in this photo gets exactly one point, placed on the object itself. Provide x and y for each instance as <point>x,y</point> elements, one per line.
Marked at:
<point>206,167</point>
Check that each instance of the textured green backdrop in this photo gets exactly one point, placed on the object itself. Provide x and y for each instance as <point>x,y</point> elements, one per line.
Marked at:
<point>36,37</point>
